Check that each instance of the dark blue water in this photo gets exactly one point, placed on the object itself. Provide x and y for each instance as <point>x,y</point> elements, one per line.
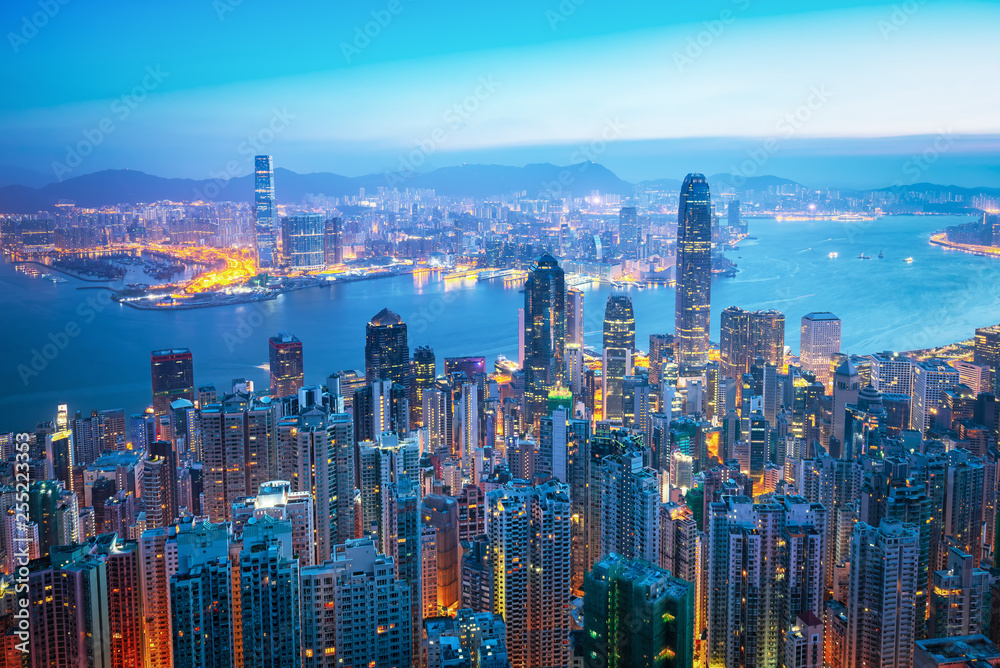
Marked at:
<point>884,304</point>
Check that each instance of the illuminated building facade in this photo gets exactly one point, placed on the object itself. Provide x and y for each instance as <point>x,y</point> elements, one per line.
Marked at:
<point>544,335</point>
<point>303,239</point>
<point>746,335</point>
<point>173,378</point>
<point>694,275</point>
<point>619,344</point>
<point>387,355</point>
<point>287,370</point>
<point>820,339</point>
<point>265,212</point>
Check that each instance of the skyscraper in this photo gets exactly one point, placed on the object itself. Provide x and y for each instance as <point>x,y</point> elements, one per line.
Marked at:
<point>529,536</point>
<point>574,316</point>
<point>765,567</point>
<point>424,372</point>
<point>930,379</point>
<point>265,212</point>
<point>881,614</point>
<point>544,334</point>
<point>619,344</point>
<point>694,274</point>
<point>746,335</point>
<point>173,378</point>
<point>629,233</point>
<point>960,599</point>
<point>987,351</point>
<point>635,614</point>
<point>285,355</point>
<point>303,238</point>
<point>355,611</point>
<point>333,242</point>
<point>630,501</point>
<point>820,338</point>
<point>387,355</point>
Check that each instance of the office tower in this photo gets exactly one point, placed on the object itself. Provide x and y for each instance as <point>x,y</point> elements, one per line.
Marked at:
<point>804,642</point>
<point>265,212</point>
<point>629,233</point>
<point>529,534</point>
<point>758,445</point>
<point>285,355</point>
<point>930,379</point>
<point>747,335</point>
<point>635,614</point>
<point>173,378</point>
<point>881,611</point>
<point>960,599</point>
<point>820,338</point>
<point>891,373</point>
<point>325,452</point>
<point>201,599</point>
<point>630,508</point>
<point>441,513</point>
<point>544,335</point>
<point>424,372</point>
<point>387,356</point>
<point>765,567</point>
<point>269,592</point>
<point>574,316</point>
<point>661,349</point>
<point>239,450</point>
<point>694,274</point>
<point>575,370</point>
<point>302,241</point>
<point>987,353</point>
<point>619,345</point>
<point>333,242</point>
<point>733,217</point>
<point>355,611</point>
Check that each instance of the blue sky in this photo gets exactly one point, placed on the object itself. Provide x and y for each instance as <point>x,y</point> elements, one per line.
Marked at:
<point>844,96</point>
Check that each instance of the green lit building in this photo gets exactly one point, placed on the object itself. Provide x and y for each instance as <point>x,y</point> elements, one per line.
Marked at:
<point>636,614</point>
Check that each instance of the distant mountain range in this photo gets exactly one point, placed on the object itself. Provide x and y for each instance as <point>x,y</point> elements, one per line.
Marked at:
<point>24,191</point>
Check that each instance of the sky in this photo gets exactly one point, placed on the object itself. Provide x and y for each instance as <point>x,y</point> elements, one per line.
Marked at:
<point>854,94</point>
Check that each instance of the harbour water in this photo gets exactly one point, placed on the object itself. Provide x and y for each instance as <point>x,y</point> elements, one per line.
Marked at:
<point>62,344</point>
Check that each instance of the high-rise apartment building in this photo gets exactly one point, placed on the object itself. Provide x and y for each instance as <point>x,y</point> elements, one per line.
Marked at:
<point>891,373</point>
<point>881,610</point>
<point>355,611</point>
<point>748,335</point>
<point>574,316</point>
<point>960,599</point>
<point>630,506</point>
<point>930,379</point>
<point>529,536</point>
<point>635,614</point>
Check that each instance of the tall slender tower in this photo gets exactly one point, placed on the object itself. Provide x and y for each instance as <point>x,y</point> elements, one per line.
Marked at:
<point>619,344</point>
<point>387,355</point>
<point>544,334</point>
<point>574,316</point>
<point>881,612</point>
<point>694,274</point>
<point>265,213</point>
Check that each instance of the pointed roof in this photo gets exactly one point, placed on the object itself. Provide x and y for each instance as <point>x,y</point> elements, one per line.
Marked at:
<point>846,368</point>
<point>386,318</point>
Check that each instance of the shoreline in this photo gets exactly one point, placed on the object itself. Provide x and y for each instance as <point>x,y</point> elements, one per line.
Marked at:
<point>940,239</point>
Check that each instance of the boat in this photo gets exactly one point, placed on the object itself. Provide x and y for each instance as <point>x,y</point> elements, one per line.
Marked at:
<point>880,256</point>
<point>862,256</point>
<point>832,255</point>
<point>908,260</point>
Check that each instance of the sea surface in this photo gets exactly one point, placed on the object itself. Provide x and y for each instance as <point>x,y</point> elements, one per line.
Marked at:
<point>62,344</point>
